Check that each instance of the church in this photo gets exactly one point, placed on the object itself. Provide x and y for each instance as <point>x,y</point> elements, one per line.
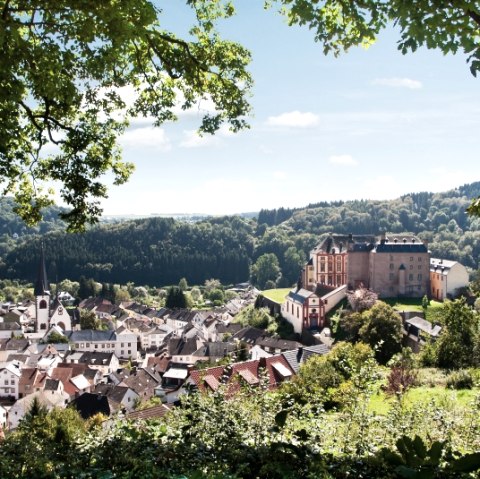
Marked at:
<point>48,312</point>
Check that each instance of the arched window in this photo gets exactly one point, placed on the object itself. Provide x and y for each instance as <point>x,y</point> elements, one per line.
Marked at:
<point>43,304</point>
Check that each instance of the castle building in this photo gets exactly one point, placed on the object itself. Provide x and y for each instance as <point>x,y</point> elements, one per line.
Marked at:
<point>394,266</point>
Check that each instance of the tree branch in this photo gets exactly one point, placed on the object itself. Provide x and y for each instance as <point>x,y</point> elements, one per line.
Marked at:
<point>474,16</point>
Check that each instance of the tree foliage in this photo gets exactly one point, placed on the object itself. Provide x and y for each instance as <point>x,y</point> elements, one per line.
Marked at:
<point>458,345</point>
<point>382,330</point>
<point>67,72</point>
<point>175,298</point>
<point>265,269</point>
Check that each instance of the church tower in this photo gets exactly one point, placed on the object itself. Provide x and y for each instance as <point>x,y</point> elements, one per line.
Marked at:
<point>42,296</point>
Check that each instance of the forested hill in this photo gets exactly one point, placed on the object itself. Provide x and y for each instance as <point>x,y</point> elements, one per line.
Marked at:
<point>152,251</point>
<point>159,251</point>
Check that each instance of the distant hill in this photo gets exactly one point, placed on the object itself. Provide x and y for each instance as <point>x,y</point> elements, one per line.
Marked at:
<point>159,251</point>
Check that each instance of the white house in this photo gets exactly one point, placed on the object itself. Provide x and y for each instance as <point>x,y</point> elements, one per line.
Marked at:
<point>9,378</point>
<point>121,342</point>
<point>446,277</point>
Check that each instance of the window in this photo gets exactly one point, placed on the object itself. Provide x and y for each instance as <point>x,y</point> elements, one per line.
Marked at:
<point>411,266</point>
<point>391,257</point>
<point>339,264</point>
<point>419,277</point>
<point>322,265</point>
<point>129,344</point>
<point>392,276</point>
<point>42,304</point>
<point>410,277</point>
<point>442,278</point>
<point>419,258</point>
<point>12,383</point>
<point>411,258</point>
<point>392,266</point>
<point>339,279</point>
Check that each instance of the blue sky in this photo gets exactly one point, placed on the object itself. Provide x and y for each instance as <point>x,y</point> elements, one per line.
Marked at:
<point>370,124</point>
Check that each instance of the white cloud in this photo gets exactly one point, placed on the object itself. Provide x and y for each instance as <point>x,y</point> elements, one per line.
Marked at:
<point>294,119</point>
<point>343,160</point>
<point>148,137</point>
<point>193,140</point>
<point>398,82</point>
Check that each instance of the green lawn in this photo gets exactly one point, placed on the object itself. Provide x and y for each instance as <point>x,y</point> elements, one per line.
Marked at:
<point>410,304</point>
<point>277,295</point>
<point>381,404</point>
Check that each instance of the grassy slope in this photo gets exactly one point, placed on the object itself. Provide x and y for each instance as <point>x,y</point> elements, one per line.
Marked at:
<point>277,295</point>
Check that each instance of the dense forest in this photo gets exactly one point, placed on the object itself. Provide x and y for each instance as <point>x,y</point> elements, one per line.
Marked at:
<point>160,251</point>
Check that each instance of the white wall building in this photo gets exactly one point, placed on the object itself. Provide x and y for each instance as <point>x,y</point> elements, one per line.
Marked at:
<point>446,277</point>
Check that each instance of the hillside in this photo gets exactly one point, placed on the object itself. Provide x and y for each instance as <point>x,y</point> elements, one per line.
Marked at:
<point>159,251</point>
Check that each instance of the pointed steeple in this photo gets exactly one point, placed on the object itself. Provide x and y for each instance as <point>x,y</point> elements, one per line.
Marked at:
<point>41,286</point>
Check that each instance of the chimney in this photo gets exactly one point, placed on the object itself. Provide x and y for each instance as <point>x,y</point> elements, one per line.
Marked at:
<point>299,354</point>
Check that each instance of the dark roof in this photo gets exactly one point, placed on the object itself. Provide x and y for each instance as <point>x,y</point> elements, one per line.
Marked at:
<point>41,285</point>
<point>295,357</point>
<point>11,326</point>
<point>300,295</point>
<point>14,344</point>
<point>231,328</point>
<point>51,384</point>
<point>277,343</point>
<point>95,358</point>
<point>401,247</point>
<point>249,334</point>
<point>115,393</point>
<point>180,347</point>
<point>90,335</point>
<point>89,404</point>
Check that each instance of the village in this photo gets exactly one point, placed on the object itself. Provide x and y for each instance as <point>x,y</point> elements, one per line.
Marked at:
<point>160,354</point>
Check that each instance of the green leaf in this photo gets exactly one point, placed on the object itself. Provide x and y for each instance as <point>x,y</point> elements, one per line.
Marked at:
<point>468,463</point>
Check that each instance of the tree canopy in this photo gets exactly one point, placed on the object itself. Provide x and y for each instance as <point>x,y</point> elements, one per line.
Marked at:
<point>67,73</point>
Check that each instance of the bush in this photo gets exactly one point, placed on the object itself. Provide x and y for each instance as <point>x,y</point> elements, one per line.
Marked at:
<point>460,380</point>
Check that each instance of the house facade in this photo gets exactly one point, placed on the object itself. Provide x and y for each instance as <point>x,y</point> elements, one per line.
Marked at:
<point>446,277</point>
<point>305,309</point>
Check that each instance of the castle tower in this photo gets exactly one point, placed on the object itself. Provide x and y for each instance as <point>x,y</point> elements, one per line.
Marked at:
<point>42,296</point>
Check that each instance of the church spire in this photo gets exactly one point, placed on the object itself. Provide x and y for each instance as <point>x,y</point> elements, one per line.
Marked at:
<point>41,286</point>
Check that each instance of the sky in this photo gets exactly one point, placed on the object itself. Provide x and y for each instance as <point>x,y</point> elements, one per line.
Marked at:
<point>370,124</point>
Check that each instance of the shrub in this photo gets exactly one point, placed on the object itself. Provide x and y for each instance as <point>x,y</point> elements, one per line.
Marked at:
<point>460,380</point>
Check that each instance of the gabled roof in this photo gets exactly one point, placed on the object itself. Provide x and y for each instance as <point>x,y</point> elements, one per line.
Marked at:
<point>90,335</point>
<point>155,412</point>
<point>277,343</point>
<point>93,358</point>
<point>424,325</point>
<point>300,295</point>
<point>295,357</point>
<point>249,334</point>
